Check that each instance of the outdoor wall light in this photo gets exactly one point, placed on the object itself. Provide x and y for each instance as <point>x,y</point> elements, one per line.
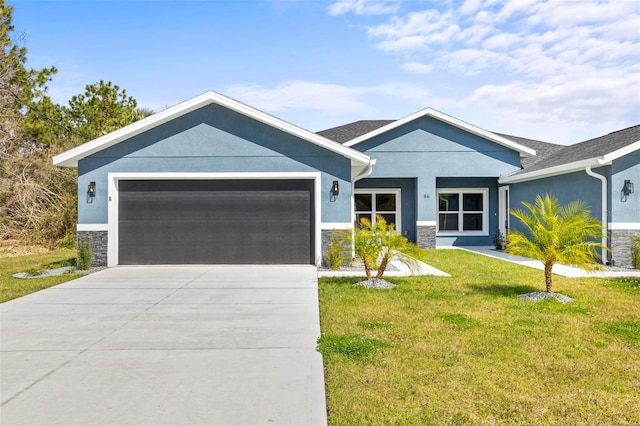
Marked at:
<point>335,188</point>
<point>91,190</point>
<point>628,187</point>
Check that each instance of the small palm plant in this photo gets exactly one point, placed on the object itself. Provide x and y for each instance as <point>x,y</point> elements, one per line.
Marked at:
<point>380,242</point>
<point>339,251</point>
<point>553,233</point>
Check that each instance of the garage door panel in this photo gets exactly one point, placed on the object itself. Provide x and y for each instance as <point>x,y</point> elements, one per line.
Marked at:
<point>215,206</point>
<point>169,222</point>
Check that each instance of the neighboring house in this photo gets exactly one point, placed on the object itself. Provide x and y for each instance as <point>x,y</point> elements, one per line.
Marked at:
<point>212,180</point>
<point>600,171</point>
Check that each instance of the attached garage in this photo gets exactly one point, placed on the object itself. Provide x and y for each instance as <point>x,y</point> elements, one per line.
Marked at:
<point>216,221</point>
<point>212,181</point>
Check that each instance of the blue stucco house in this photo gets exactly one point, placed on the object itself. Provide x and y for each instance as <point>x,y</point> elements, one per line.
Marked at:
<point>601,171</point>
<point>213,180</point>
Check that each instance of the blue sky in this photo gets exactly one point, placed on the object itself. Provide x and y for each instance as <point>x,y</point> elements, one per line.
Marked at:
<point>560,71</point>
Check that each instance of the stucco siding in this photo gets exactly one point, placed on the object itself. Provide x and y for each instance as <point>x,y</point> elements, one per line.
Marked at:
<point>625,208</point>
<point>214,139</point>
<point>428,148</point>
<point>566,188</point>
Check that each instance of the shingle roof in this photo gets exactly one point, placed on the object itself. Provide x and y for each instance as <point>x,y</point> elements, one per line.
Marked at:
<point>543,149</point>
<point>353,130</point>
<point>547,154</point>
<point>592,148</point>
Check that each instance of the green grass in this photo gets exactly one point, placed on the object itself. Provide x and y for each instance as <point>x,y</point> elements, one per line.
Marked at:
<point>11,288</point>
<point>465,350</point>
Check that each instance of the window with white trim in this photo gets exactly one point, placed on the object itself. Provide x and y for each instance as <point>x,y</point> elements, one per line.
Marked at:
<point>370,203</point>
<point>463,211</point>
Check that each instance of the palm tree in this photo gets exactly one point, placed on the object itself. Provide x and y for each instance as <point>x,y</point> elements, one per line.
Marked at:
<point>553,233</point>
<point>376,244</point>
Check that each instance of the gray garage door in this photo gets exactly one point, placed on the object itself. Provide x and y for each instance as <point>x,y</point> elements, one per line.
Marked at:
<point>216,222</point>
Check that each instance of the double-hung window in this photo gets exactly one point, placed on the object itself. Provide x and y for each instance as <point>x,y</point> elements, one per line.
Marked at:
<point>370,203</point>
<point>463,211</point>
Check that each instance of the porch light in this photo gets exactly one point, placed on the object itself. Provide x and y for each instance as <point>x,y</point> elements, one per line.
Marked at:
<point>91,190</point>
<point>335,188</point>
<point>628,187</point>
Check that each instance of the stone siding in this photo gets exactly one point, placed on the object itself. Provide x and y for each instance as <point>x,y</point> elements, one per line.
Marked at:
<point>621,246</point>
<point>326,242</point>
<point>99,241</point>
<point>426,236</point>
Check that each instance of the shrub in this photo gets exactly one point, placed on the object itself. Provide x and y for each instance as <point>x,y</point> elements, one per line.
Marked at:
<point>85,256</point>
<point>499,240</point>
<point>376,244</point>
<point>339,251</point>
<point>635,251</point>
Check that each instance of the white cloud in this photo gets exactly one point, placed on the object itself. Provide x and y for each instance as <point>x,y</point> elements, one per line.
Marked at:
<point>500,41</point>
<point>417,67</point>
<point>582,100</point>
<point>515,7</point>
<point>571,62</point>
<point>326,100</point>
<point>363,7</point>
<point>469,7</point>
<point>418,31</point>
<point>298,94</point>
<point>562,13</point>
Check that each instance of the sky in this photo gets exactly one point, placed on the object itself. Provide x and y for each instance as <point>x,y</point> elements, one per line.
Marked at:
<point>558,71</point>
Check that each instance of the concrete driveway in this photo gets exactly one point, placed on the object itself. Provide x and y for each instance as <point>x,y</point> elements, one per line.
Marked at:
<point>168,345</point>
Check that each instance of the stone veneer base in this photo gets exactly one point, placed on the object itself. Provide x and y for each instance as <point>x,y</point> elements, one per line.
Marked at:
<point>621,246</point>
<point>99,241</point>
<point>426,236</point>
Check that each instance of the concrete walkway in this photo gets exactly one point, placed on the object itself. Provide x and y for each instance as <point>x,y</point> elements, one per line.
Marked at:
<point>562,270</point>
<point>399,269</point>
<point>196,345</point>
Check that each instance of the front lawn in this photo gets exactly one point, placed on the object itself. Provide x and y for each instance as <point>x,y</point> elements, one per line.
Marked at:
<point>11,288</point>
<point>465,350</point>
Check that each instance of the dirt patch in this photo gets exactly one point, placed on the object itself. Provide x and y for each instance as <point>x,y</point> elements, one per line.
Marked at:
<point>13,248</point>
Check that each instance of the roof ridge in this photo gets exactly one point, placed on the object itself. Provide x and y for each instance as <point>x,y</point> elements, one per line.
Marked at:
<point>622,130</point>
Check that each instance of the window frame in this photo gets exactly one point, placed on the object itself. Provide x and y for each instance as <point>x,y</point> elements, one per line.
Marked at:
<point>460,192</point>
<point>373,192</point>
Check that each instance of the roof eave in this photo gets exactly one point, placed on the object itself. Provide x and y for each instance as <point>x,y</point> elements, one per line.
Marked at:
<point>71,157</point>
<point>635,146</point>
<point>523,150</point>
<point>562,169</point>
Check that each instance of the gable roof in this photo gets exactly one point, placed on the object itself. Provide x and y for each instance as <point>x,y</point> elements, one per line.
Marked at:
<point>429,112</point>
<point>70,158</point>
<point>596,152</point>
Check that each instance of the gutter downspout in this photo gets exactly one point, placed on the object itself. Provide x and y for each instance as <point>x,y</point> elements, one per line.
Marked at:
<point>366,172</point>
<point>605,227</point>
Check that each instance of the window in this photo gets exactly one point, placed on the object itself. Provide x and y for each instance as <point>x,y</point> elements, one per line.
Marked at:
<point>463,211</point>
<point>372,202</point>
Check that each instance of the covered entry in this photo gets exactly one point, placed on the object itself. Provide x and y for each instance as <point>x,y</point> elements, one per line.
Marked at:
<point>241,221</point>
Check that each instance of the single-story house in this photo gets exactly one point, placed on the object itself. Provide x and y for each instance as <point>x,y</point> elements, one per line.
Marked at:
<point>213,180</point>
<point>601,171</point>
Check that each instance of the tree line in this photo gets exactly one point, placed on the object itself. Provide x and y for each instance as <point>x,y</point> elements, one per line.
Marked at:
<point>38,201</point>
